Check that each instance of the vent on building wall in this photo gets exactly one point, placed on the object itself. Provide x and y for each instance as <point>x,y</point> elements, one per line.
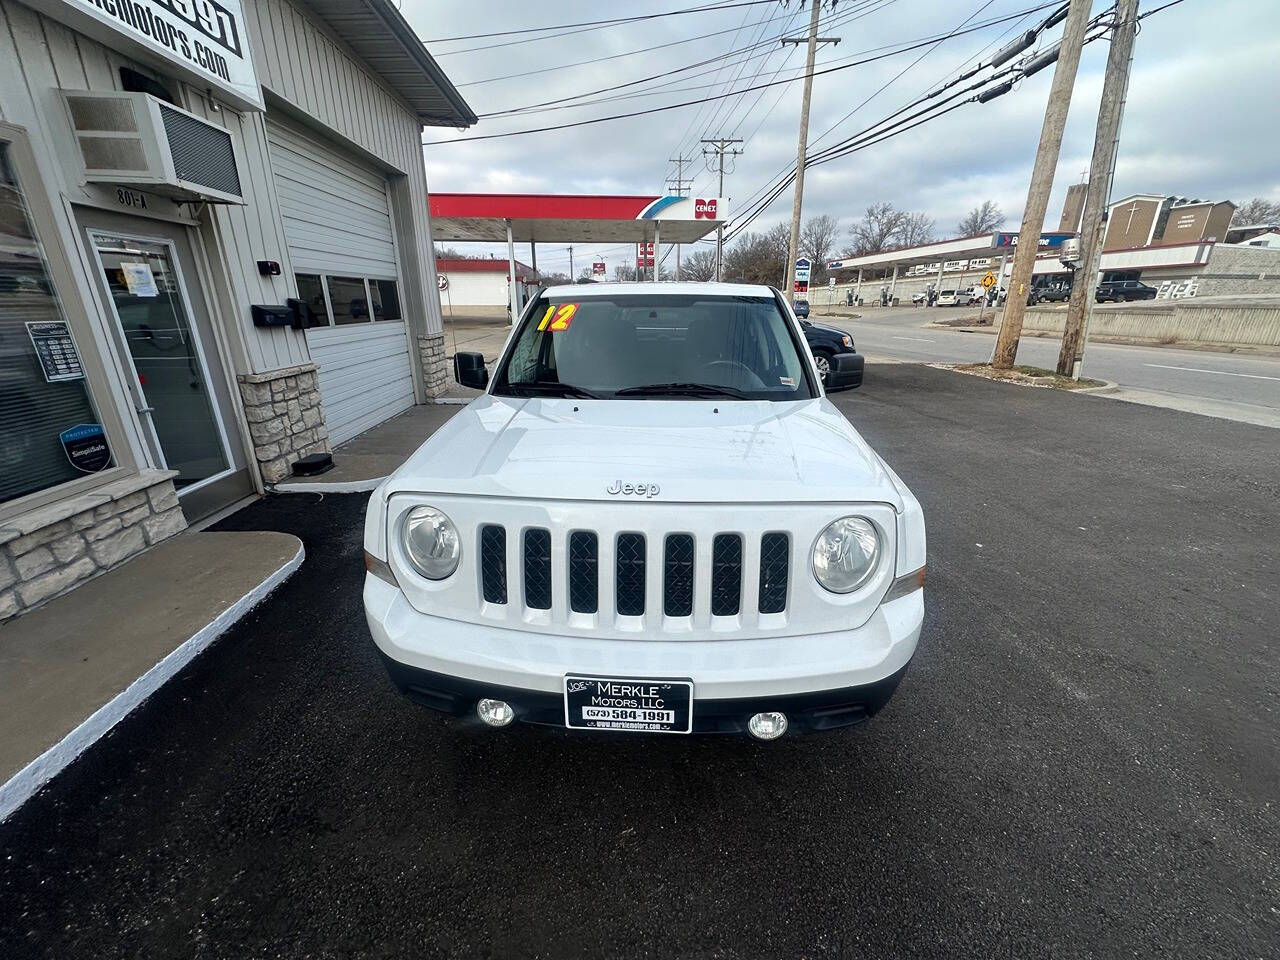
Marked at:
<point>136,140</point>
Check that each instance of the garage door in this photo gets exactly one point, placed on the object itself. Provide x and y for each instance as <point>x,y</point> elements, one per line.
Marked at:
<point>337,222</point>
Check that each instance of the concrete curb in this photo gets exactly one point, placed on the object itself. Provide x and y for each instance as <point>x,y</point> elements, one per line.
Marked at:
<point>333,486</point>
<point>456,401</point>
<point>1108,386</point>
<point>26,782</point>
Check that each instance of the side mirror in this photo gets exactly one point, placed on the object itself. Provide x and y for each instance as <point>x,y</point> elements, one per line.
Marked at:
<point>468,370</point>
<point>846,371</point>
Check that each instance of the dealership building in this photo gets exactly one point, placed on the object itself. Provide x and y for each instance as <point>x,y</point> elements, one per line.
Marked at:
<point>215,260</point>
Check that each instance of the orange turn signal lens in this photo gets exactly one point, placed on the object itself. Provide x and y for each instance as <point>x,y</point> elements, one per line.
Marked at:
<point>379,568</point>
<point>905,585</point>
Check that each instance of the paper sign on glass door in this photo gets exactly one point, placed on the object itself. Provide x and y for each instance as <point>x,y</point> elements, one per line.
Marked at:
<point>139,279</point>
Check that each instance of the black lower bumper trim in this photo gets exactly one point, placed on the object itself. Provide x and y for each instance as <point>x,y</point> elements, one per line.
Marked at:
<point>819,710</point>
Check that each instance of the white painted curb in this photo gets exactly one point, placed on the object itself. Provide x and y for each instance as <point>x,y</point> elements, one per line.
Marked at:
<point>24,784</point>
<point>334,486</point>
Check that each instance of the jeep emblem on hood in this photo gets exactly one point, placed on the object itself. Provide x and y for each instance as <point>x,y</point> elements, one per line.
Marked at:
<point>637,489</point>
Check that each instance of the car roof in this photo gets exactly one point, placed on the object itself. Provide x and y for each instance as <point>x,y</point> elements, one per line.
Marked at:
<point>659,289</point>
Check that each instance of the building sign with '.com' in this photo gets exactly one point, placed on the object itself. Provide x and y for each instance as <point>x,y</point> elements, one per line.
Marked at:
<point>206,40</point>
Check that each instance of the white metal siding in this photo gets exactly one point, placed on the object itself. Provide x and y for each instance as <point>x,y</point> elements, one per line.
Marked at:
<point>365,375</point>
<point>337,221</point>
<point>336,216</point>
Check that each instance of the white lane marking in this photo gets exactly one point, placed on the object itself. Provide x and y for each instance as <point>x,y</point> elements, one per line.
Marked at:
<point>1224,373</point>
<point>916,339</point>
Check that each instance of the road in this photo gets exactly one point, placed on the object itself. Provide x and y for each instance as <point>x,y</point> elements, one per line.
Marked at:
<point>1222,384</point>
<point>1082,761</point>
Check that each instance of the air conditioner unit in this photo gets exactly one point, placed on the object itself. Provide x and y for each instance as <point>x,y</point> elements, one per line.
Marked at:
<point>137,140</point>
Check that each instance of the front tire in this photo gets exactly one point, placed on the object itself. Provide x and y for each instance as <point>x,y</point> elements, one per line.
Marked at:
<point>822,358</point>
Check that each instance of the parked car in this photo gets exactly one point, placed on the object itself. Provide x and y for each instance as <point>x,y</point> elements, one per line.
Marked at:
<point>1118,291</point>
<point>801,308</point>
<point>950,298</point>
<point>826,343</point>
<point>1058,293</point>
<point>653,520</point>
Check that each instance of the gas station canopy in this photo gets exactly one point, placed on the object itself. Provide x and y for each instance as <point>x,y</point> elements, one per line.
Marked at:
<point>552,218</point>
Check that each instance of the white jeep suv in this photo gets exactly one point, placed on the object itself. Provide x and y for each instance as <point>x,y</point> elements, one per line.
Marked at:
<point>652,520</point>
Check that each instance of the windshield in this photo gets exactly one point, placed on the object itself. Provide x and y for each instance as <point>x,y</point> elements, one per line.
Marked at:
<point>646,345</point>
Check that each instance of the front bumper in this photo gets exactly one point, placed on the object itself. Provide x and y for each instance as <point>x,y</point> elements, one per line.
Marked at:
<point>819,680</point>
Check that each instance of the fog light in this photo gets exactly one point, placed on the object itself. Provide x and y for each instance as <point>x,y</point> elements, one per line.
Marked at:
<point>767,726</point>
<point>498,713</point>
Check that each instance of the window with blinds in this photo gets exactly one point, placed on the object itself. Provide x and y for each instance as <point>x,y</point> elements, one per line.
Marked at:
<point>43,392</point>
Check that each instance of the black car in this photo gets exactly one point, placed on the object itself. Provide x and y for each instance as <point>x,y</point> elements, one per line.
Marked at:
<point>1118,291</point>
<point>801,308</point>
<point>826,342</point>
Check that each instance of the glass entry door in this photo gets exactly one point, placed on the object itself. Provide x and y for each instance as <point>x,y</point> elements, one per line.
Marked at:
<point>168,364</point>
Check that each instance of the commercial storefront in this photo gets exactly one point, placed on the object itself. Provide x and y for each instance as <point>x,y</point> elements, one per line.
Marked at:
<point>215,260</point>
<point>479,286</point>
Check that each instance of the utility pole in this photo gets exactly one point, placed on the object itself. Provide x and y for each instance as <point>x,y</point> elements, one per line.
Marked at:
<point>1055,119</point>
<point>571,276</point>
<point>719,147</point>
<point>1102,169</point>
<point>682,190</point>
<point>793,249</point>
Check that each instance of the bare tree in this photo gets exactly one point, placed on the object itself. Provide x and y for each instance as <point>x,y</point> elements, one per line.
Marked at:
<point>448,253</point>
<point>554,279</point>
<point>877,230</point>
<point>1257,210</point>
<point>758,257</point>
<point>817,242</point>
<point>700,265</point>
<point>981,219</point>
<point>917,228</point>
<point>624,272</point>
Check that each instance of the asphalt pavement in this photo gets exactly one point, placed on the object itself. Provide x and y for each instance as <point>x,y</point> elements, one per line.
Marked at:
<point>1082,761</point>
<point>1235,385</point>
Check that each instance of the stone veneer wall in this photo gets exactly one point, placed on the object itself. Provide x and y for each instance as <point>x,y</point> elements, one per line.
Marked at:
<point>285,418</point>
<point>435,372</point>
<point>51,549</point>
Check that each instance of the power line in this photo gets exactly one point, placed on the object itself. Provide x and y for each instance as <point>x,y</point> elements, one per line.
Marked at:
<point>688,103</point>
<point>613,56</point>
<point>586,27</point>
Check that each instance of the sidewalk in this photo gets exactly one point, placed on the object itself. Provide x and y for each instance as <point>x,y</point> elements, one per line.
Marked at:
<point>72,669</point>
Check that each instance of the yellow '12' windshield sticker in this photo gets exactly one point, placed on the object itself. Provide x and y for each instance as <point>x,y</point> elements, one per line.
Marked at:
<point>558,317</point>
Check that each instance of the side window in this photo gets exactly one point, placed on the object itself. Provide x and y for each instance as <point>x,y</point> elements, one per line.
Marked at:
<point>311,290</point>
<point>349,301</point>
<point>386,299</point>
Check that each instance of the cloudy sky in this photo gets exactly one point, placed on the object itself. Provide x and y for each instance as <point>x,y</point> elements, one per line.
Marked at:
<point>1200,119</point>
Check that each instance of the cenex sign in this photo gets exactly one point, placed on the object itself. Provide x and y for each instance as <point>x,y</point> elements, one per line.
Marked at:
<point>206,40</point>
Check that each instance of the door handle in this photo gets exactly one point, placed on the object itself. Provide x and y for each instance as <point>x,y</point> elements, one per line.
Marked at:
<point>145,409</point>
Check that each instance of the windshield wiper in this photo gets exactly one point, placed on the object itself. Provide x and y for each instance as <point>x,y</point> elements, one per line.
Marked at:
<point>681,390</point>
<point>551,388</point>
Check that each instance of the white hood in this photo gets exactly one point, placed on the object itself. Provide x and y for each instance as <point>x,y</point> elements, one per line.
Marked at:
<point>695,451</point>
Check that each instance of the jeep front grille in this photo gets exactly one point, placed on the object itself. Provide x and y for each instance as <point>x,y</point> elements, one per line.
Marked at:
<point>581,561</point>
<point>773,572</point>
<point>726,575</point>
<point>630,574</point>
<point>493,563</point>
<point>677,576</point>
<point>537,569</point>
<point>584,576</point>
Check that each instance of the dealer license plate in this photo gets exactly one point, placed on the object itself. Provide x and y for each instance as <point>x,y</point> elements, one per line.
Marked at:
<point>627,703</point>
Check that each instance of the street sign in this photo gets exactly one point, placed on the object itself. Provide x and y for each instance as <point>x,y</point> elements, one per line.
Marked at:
<point>803,267</point>
<point>831,281</point>
<point>599,269</point>
<point>989,280</point>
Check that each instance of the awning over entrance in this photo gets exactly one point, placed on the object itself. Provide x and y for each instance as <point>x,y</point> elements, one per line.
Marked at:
<point>554,218</point>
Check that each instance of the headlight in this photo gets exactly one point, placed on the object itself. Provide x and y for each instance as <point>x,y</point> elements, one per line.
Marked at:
<point>431,541</point>
<point>848,341</point>
<point>846,554</point>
